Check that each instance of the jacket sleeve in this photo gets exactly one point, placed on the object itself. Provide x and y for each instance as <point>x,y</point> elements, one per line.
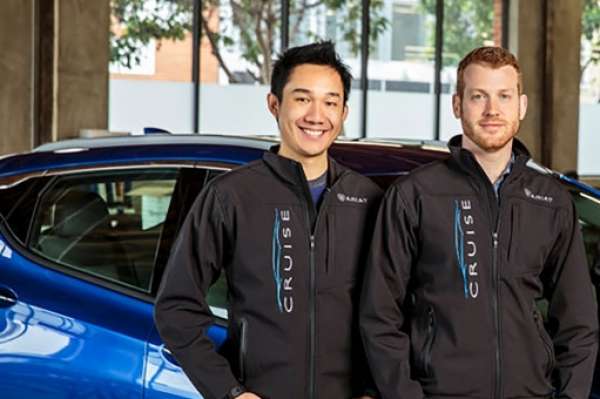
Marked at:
<point>363,382</point>
<point>382,318</point>
<point>181,313</point>
<point>572,314</point>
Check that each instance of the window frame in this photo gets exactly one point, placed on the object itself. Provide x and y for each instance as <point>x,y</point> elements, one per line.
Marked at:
<point>41,261</point>
<point>69,181</point>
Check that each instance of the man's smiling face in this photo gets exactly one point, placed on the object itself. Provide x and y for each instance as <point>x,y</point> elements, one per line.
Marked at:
<point>311,112</point>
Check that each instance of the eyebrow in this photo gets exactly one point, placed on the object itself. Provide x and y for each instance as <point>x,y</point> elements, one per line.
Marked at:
<point>485,91</point>
<point>306,91</point>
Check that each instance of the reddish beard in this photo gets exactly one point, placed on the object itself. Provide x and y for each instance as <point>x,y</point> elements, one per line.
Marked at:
<point>490,143</point>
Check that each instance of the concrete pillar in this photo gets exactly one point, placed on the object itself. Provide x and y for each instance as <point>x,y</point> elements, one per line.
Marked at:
<point>54,58</point>
<point>545,35</point>
<point>16,73</point>
<point>81,66</point>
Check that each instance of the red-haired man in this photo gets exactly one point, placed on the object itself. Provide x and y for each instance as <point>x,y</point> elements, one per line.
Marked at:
<point>466,250</point>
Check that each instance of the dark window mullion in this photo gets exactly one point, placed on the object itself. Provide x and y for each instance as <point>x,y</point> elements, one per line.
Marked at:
<point>364,62</point>
<point>285,24</point>
<point>439,47</point>
<point>505,19</point>
<point>196,32</point>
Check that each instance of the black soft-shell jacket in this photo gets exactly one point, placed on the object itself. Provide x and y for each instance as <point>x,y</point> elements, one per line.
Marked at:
<point>292,276</point>
<point>454,280</point>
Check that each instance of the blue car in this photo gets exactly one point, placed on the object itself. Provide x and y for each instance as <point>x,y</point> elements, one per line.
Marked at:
<point>86,227</point>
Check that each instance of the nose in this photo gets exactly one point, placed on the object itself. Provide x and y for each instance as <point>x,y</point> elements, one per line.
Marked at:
<point>491,107</point>
<point>314,113</point>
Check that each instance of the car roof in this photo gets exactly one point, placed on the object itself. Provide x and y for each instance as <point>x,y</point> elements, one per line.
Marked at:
<point>257,142</point>
<point>371,156</point>
<point>367,157</point>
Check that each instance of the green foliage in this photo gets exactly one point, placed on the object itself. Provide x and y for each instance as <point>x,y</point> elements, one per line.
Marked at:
<point>467,25</point>
<point>257,26</point>
<point>349,17</point>
<point>590,30</point>
<point>139,21</point>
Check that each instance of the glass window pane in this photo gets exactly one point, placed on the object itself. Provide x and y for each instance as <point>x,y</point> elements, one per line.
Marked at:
<point>589,109</point>
<point>151,65</point>
<point>105,225</point>
<point>244,39</point>
<point>18,201</point>
<point>339,22</point>
<point>401,70</point>
<point>467,24</point>
<point>588,209</point>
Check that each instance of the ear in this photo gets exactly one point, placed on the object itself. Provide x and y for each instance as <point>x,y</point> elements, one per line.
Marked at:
<point>522,106</point>
<point>345,112</point>
<point>456,106</point>
<point>273,104</point>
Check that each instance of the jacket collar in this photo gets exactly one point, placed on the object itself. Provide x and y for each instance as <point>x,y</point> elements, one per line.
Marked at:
<point>466,160</point>
<point>292,172</point>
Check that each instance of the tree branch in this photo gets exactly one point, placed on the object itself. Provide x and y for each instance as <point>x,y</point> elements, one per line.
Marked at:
<point>215,46</point>
<point>296,28</point>
<point>261,41</point>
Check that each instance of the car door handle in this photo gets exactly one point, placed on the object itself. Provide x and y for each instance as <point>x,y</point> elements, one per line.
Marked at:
<point>7,297</point>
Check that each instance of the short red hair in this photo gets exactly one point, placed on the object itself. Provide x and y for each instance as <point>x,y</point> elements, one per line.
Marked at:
<point>494,57</point>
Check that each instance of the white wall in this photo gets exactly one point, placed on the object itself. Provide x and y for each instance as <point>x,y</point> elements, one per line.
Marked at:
<point>241,109</point>
<point>588,162</point>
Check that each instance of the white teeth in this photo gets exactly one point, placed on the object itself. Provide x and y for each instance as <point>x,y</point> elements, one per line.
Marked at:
<point>313,132</point>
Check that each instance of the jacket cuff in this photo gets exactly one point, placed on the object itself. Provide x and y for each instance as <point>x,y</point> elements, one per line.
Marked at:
<point>235,392</point>
<point>372,392</point>
<point>366,391</point>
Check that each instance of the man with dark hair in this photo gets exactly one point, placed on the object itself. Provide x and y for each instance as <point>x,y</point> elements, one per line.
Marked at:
<point>290,231</point>
<point>466,250</point>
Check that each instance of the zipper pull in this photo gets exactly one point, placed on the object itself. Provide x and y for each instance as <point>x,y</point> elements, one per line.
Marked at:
<point>312,242</point>
<point>430,314</point>
<point>495,237</point>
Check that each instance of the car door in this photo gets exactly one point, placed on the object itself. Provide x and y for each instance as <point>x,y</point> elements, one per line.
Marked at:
<point>588,209</point>
<point>164,377</point>
<point>76,284</point>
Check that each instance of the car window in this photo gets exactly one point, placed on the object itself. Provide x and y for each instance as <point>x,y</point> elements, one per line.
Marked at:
<point>588,209</point>
<point>16,204</point>
<point>189,185</point>
<point>105,224</point>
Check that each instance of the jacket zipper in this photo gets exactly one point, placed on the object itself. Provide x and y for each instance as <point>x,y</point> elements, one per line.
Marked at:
<point>312,323</point>
<point>428,345</point>
<point>495,219</point>
<point>537,317</point>
<point>312,286</point>
<point>243,348</point>
<point>495,306</point>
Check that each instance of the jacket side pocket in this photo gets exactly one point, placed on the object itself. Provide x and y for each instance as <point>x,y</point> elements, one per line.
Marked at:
<point>425,356</point>
<point>514,232</point>
<point>546,342</point>
<point>243,348</point>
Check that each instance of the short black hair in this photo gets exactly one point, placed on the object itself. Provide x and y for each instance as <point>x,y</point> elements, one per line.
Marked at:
<point>319,53</point>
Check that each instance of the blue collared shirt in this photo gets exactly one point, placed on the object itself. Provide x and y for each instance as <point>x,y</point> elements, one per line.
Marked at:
<point>504,174</point>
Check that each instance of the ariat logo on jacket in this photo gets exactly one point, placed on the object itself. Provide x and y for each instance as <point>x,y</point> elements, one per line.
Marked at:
<point>466,247</point>
<point>350,198</point>
<point>282,261</point>
<point>537,197</point>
